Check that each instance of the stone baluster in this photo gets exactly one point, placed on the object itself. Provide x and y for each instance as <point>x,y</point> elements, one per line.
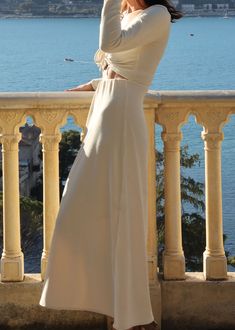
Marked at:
<point>12,261</point>
<point>82,134</point>
<point>51,201</point>
<point>152,244</point>
<point>152,230</point>
<point>49,121</point>
<point>173,256</point>
<point>214,259</point>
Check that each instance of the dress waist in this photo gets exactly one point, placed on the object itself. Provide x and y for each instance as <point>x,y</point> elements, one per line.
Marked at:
<point>110,73</point>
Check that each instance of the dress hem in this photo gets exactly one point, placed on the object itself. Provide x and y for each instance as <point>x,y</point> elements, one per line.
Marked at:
<point>88,309</point>
<point>82,309</point>
<point>134,325</point>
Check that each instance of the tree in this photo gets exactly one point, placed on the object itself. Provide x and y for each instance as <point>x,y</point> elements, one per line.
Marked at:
<point>193,224</point>
<point>68,147</point>
<point>31,228</point>
<point>192,192</point>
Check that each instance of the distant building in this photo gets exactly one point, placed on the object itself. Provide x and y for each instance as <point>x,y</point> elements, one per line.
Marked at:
<point>68,2</point>
<point>207,6</point>
<point>175,2</point>
<point>201,3</point>
<point>222,6</point>
<point>91,8</point>
<point>30,165</point>
<point>187,7</point>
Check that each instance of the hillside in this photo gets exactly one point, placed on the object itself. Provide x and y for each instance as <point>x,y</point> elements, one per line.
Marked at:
<point>80,8</point>
<point>50,8</point>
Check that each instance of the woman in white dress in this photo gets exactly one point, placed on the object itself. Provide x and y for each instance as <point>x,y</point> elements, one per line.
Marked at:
<point>98,255</point>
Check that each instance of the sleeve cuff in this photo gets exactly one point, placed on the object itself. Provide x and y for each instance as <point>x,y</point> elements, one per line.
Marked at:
<point>95,82</point>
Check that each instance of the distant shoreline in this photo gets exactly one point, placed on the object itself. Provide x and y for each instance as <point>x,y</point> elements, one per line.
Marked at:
<point>97,16</point>
<point>49,16</point>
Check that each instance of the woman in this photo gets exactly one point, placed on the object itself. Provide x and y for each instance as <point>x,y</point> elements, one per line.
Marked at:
<point>98,255</point>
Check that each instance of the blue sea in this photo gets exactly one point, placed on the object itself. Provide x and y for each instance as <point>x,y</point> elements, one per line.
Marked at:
<point>32,53</point>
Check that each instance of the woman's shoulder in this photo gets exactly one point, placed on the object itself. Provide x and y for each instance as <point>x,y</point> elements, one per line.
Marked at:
<point>151,11</point>
<point>155,15</point>
<point>156,10</point>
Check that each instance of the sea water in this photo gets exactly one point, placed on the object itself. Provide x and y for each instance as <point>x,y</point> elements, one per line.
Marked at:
<point>199,56</point>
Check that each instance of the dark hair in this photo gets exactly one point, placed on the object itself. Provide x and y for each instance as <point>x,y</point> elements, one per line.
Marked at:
<point>175,14</point>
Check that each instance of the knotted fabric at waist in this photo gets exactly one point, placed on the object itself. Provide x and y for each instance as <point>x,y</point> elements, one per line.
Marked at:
<point>110,73</point>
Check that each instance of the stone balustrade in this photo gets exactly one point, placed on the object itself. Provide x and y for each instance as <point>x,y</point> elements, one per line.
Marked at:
<point>171,110</point>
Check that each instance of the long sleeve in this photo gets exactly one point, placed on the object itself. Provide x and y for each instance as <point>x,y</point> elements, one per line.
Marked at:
<point>148,26</point>
<point>94,82</point>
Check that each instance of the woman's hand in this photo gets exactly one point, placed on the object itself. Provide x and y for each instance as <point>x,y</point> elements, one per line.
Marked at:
<point>81,88</point>
<point>124,5</point>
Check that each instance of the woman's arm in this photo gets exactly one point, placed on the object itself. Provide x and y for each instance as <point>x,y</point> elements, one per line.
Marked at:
<point>95,82</point>
<point>147,27</point>
<point>89,86</point>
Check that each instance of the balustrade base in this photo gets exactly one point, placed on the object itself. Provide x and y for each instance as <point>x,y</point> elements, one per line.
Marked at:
<point>44,260</point>
<point>215,268</point>
<point>152,269</point>
<point>12,269</point>
<point>156,299</point>
<point>173,267</point>
<point>192,304</point>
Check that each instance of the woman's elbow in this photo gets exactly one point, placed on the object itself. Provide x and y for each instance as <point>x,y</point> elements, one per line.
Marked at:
<point>105,47</point>
<point>109,46</point>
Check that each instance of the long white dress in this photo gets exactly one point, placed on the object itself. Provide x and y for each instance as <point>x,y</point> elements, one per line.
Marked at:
<point>98,255</point>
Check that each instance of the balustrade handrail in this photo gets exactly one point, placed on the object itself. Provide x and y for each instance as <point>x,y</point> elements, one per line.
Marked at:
<point>170,109</point>
<point>33,100</point>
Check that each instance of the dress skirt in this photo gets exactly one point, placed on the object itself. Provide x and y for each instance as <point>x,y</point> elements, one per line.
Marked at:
<point>98,255</point>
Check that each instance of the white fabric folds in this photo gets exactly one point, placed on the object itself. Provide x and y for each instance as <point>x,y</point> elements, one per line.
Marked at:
<point>98,255</point>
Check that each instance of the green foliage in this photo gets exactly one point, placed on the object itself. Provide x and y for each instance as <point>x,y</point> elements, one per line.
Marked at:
<point>194,240</point>
<point>52,7</point>
<point>193,224</point>
<point>232,260</point>
<point>68,147</point>
<point>37,191</point>
<point>31,227</point>
<point>31,215</point>
<point>192,192</point>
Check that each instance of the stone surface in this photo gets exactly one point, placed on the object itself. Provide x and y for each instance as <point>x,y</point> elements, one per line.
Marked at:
<point>190,304</point>
<point>19,309</point>
<point>196,303</point>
